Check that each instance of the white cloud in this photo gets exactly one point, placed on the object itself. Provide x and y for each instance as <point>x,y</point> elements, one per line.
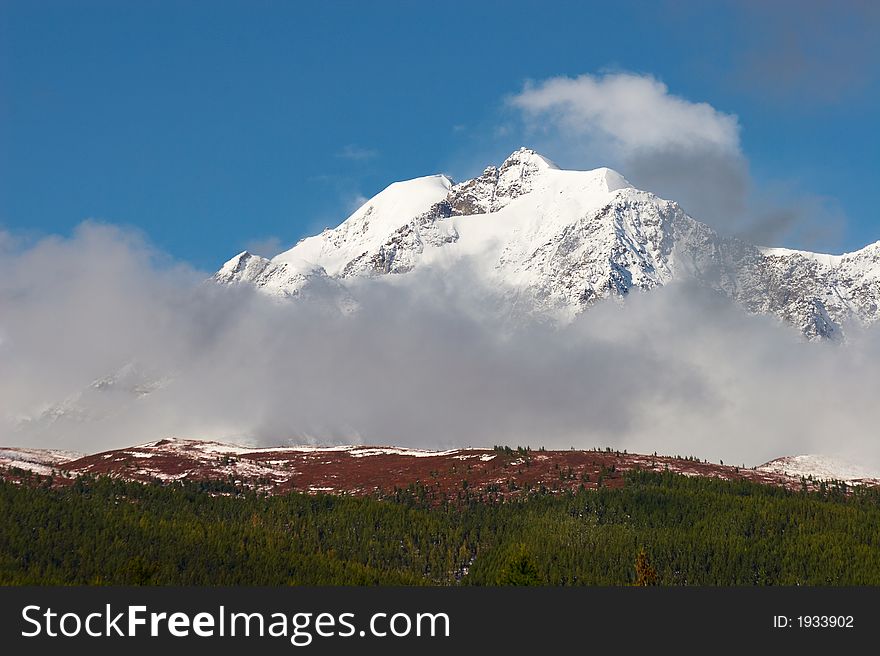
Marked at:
<point>633,112</point>
<point>357,153</point>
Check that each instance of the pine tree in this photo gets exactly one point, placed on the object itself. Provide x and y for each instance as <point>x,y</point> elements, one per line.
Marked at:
<point>645,573</point>
<point>519,568</point>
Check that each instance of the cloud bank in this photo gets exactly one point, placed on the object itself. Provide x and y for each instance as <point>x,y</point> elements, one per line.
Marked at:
<point>428,362</point>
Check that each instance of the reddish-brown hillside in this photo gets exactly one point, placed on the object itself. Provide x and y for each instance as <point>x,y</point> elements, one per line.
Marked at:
<point>362,470</point>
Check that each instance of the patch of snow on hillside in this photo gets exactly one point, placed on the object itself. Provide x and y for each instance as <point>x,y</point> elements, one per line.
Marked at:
<point>361,452</point>
<point>820,467</point>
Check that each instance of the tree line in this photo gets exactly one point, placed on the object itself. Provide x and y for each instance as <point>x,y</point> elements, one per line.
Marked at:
<point>659,528</point>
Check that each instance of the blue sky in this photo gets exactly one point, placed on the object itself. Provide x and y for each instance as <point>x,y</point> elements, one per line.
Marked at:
<point>215,126</point>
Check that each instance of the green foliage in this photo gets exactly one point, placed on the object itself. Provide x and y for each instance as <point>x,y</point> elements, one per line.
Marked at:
<point>519,568</point>
<point>698,531</point>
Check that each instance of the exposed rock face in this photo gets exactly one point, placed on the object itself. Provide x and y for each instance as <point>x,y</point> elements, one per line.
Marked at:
<point>400,252</point>
<point>496,187</point>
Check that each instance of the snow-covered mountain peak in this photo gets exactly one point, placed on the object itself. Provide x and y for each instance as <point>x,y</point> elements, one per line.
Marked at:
<point>527,160</point>
<point>295,277</point>
<point>869,252</point>
<point>824,259</point>
<point>383,212</point>
<point>370,225</point>
<point>613,180</point>
<point>249,267</point>
<point>243,265</point>
<point>557,241</point>
<point>525,164</point>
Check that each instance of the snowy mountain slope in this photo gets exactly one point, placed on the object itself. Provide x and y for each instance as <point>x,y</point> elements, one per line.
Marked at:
<point>842,287</point>
<point>40,461</point>
<point>102,398</point>
<point>290,279</point>
<point>563,240</point>
<point>372,228</point>
<point>821,468</point>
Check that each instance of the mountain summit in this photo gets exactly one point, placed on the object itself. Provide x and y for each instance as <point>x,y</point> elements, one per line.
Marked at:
<point>563,240</point>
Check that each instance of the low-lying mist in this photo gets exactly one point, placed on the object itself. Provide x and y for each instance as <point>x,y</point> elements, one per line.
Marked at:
<point>427,361</point>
